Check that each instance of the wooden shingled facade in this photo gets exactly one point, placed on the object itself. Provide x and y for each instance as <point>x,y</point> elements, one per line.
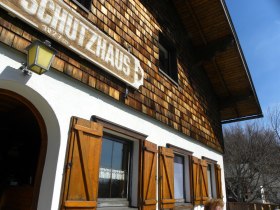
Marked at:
<point>191,105</point>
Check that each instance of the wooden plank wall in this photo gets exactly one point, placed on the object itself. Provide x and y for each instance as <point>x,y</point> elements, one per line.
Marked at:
<point>189,107</point>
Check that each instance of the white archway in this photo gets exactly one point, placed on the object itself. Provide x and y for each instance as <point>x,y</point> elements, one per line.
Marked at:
<point>53,138</point>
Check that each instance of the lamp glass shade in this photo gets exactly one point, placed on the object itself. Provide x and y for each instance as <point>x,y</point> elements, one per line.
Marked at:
<point>44,57</point>
<point>40,57</point>
<point>31,55</point>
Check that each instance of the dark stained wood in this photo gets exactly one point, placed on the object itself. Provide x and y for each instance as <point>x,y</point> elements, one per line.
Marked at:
<point>19,197</point>
<point>208,52</point>
<point>230,72</point>
<point>229,101</point>
<point>112,127</point>
<point>179,150</point>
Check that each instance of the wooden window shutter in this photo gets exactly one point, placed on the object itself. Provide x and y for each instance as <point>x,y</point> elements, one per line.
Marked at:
<point>204,181</point>
<point>196,180</point>
<point>166,178</point>
<point>149,170</point>
<point>200,181</point>
<point>82,166</point>
<point>218,181</point>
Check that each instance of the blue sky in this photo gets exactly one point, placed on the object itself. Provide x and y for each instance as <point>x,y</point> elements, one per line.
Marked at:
<point>257,24</point>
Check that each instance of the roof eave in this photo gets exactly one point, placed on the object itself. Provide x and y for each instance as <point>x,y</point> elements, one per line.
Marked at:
<point>257,115</point>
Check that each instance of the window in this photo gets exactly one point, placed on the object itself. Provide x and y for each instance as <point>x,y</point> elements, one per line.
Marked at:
<point>84,4</point>
<point>182,184</point>
<point>167,59</point>
<point>206,174</point>
<point>103,167</point>
<point>211,184</point>
<point>113,171</point>
<point>119,165</point>
<point>179,192</point>
<point>213,179</point>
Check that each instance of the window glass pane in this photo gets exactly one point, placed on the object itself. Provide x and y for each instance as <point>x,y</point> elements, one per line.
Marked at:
<point>105,171</point>
<point>113,172</point>
<point>107,145</point>
<point>209,177</point>
<point>119,170</point>
<point>163,59</point>
<point>85,3</point>
<point>178,177</point>
<point>117,156</point>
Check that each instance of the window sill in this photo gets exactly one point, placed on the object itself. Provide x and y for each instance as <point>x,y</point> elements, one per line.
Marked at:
<point>116,208</point>
<point>181,206</point>
<point>112,202</point>
<point>168,77</point>
<point>87,10</point>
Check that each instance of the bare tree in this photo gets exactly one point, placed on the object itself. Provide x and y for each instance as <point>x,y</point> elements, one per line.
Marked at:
<point>274,118</point>
<point>251,161</point>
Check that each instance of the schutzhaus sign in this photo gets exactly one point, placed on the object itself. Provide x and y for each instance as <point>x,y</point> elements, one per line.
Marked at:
<point>66,26</point>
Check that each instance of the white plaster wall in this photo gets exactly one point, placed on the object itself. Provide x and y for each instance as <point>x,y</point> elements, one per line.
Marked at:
<point>59,97</point>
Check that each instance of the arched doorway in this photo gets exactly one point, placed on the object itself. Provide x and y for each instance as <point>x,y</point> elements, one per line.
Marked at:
<point>23,142</point>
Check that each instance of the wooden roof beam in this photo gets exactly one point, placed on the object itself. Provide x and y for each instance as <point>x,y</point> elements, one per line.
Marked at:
<point>231,101</point>
<point>223,83</point>
<point>197,22</point>
<point>208,52</point>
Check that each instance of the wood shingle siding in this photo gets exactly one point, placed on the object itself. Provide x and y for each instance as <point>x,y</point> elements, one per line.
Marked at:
<point>190,107</point>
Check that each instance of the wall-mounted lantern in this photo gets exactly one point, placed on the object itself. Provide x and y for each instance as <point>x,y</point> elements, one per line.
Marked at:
<point>39,57</point>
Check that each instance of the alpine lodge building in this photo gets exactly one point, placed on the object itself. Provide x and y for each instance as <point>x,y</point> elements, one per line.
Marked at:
<point>117,104</point>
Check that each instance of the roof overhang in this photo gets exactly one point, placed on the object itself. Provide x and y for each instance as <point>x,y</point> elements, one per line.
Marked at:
<point>214,39</point>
